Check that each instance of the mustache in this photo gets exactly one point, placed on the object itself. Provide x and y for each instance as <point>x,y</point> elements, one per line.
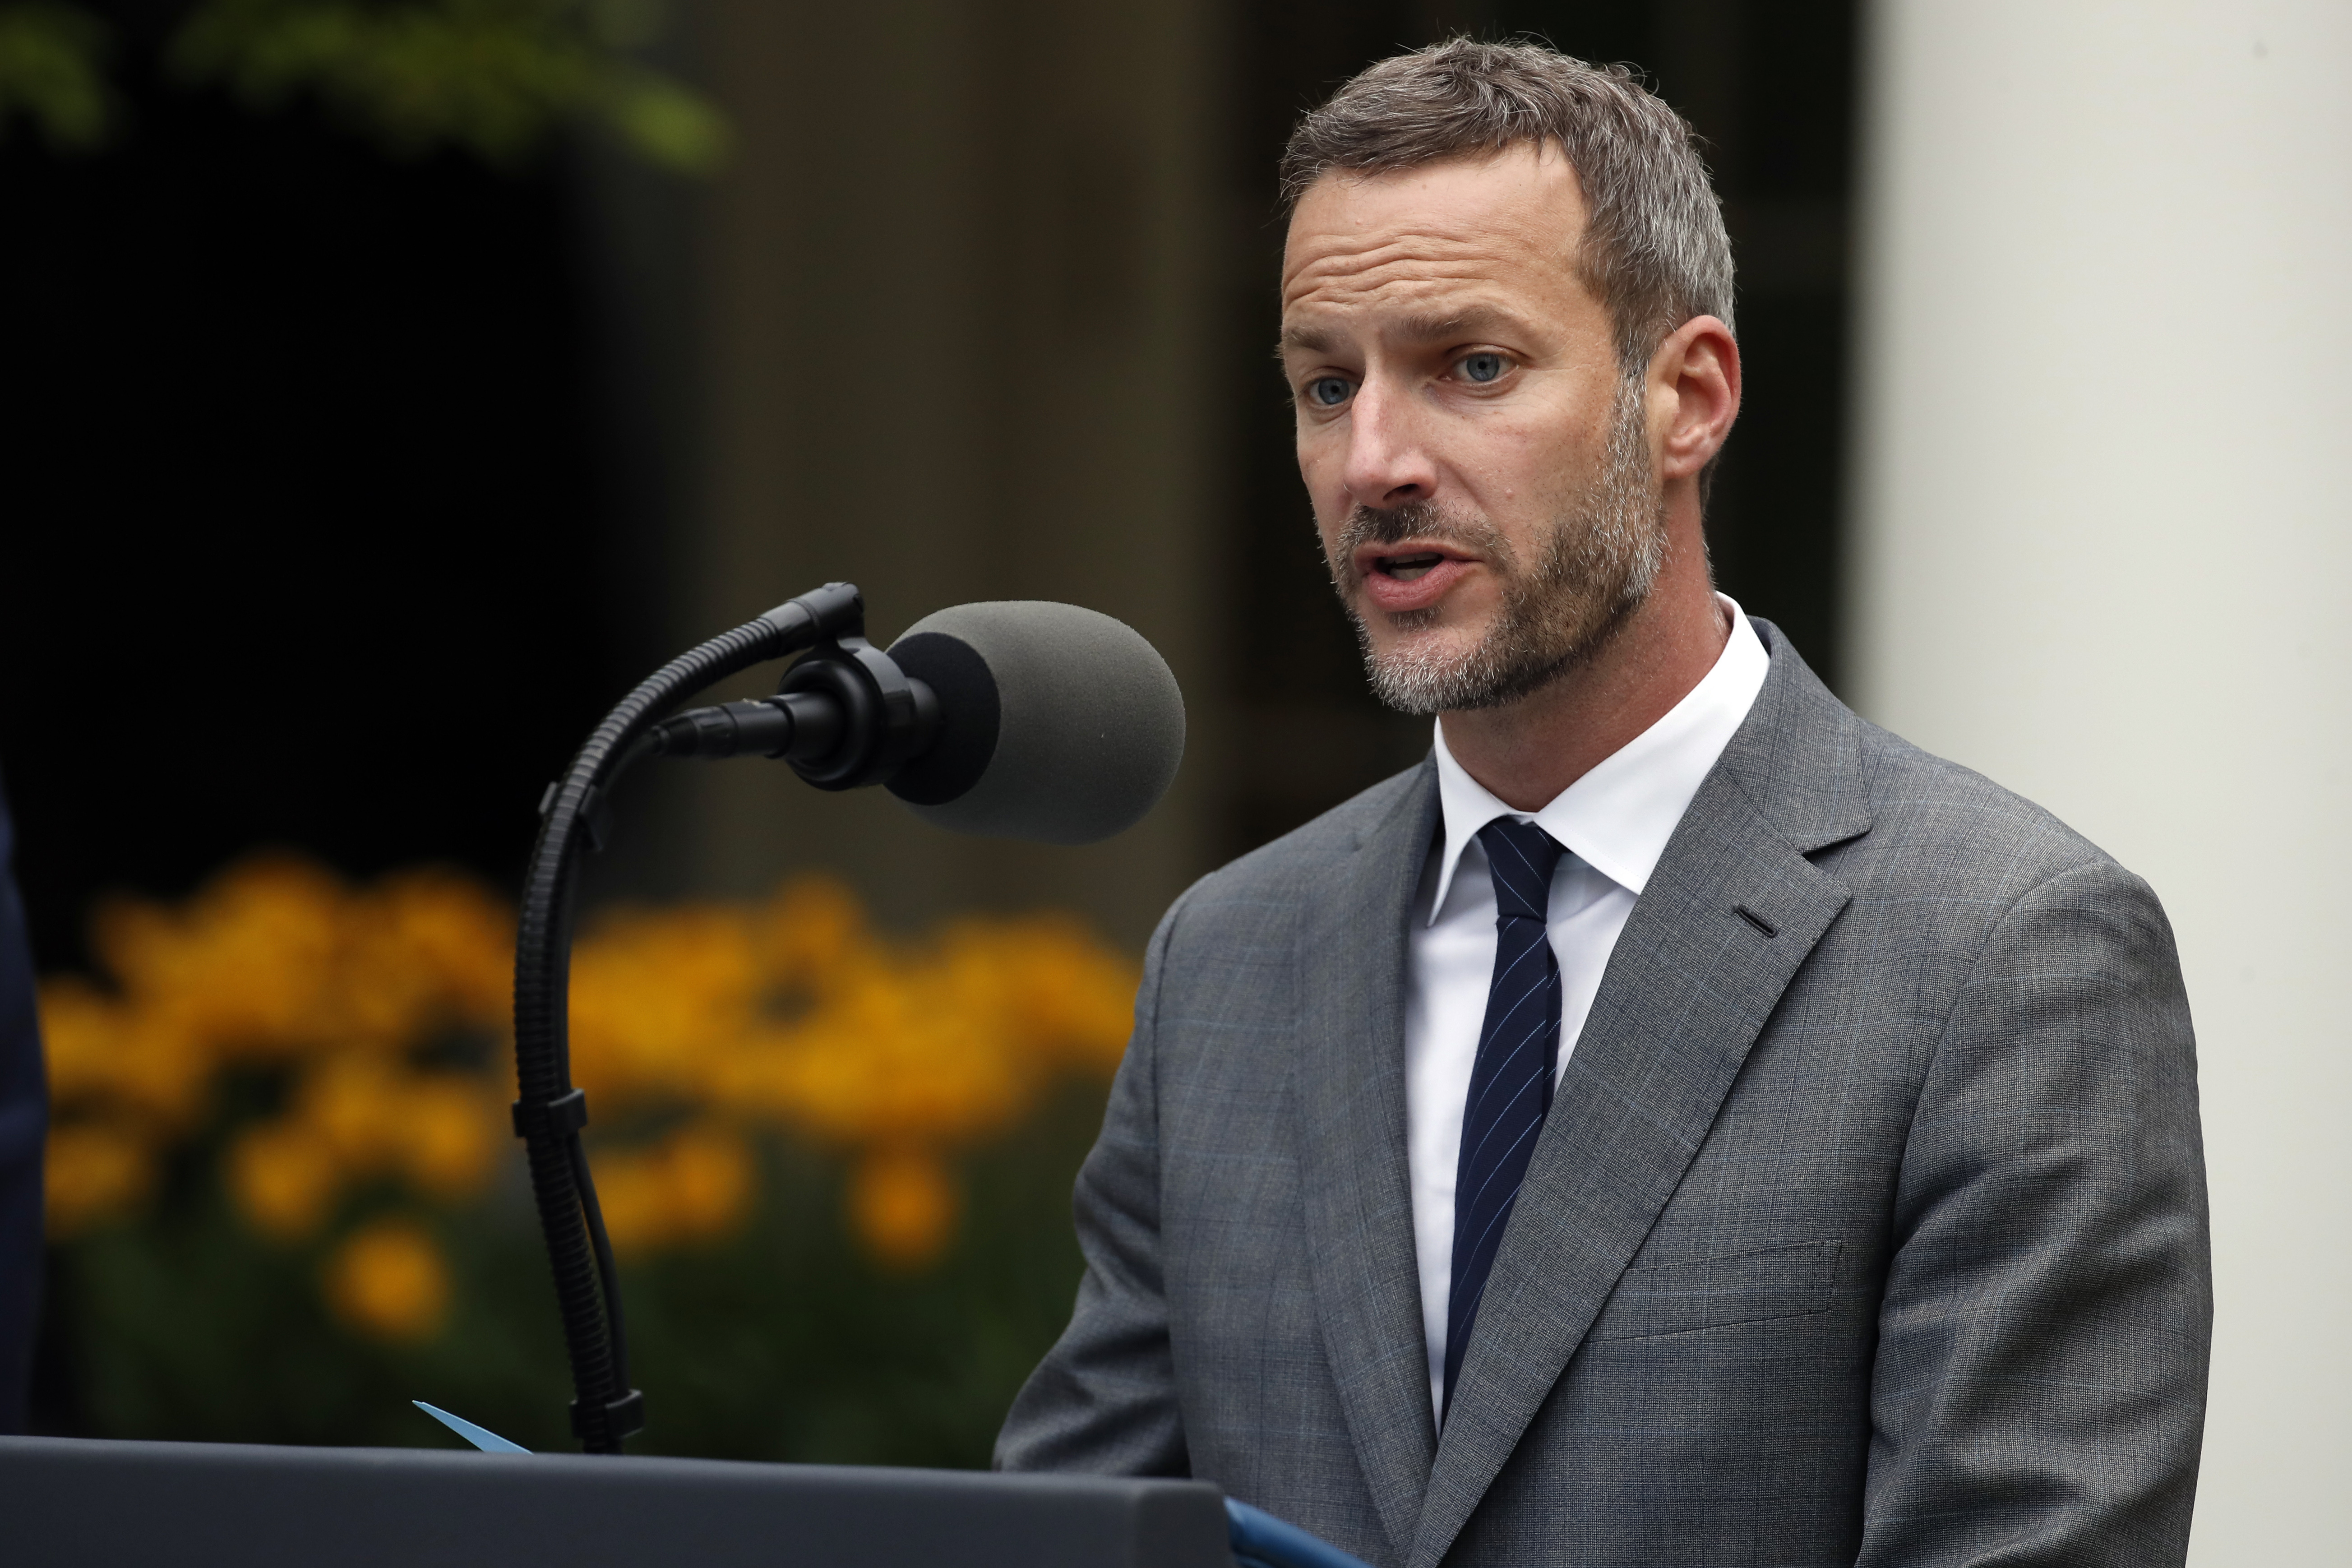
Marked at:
<point>1423,522</point>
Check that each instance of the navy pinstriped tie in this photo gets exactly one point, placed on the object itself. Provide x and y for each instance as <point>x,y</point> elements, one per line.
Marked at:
<point>1510,1083</point>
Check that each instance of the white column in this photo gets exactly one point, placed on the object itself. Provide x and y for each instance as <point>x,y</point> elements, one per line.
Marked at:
<point>2101,551</point>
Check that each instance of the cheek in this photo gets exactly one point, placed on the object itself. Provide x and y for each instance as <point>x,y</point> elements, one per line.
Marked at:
<point>1537,465</point>
<point>1512,471</point>
<point>1322,464</point>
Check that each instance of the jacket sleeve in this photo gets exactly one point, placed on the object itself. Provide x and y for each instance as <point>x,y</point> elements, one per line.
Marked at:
<point>24,1117</point>
<point>2039,1392</point>
<point>1104,1400</point>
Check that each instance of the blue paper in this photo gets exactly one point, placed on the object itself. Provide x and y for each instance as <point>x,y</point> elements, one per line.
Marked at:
<point>481,1437</point>
<point>1262,1540</point>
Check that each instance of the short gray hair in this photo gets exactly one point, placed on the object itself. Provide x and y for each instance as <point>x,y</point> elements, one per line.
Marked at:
<point>1654,251</point>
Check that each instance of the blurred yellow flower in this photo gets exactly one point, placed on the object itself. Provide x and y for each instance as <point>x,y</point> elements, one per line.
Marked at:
<point>655,995</point>
<point>106,1055</point>
<point>388,1281</point>
<point>349,1101</point>
<point>284,1178</point>
<point>93,1172</point>
<point>379,1014</point>
<point>449,1134</point>
<point>693,1186</point>
<point>904,1205</point>
<point>710,1175</point>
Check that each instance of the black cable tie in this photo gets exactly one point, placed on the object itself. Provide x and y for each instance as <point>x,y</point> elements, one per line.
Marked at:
<point>559,1118</point>
<point>616,1418</point>
<point>595,815</point>
<point>595,821</point>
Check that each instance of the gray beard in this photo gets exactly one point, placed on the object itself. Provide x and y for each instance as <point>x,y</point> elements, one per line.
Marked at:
<point>1597,567</point>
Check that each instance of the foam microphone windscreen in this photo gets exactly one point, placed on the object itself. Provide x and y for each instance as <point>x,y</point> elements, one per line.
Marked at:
<point>1057,725</point>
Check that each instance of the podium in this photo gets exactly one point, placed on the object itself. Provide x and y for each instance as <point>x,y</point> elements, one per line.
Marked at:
<point>77,1503</point>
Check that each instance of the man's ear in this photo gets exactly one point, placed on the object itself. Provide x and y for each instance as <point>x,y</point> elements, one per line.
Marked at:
<point>1695,374</point>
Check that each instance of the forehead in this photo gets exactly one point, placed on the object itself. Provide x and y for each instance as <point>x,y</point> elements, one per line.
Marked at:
<point>1500,229</point>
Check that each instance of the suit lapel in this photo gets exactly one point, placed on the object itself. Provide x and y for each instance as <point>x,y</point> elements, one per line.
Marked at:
<point>1688,987</point>
<point>1358,1190</point>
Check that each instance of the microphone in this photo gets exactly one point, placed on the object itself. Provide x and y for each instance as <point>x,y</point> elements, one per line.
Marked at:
<point>1021,719</point>
<point>1016,719</point>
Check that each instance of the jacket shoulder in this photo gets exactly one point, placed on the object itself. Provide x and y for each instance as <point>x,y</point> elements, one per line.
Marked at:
<point>1952,825</point>
<point>1880,813</point>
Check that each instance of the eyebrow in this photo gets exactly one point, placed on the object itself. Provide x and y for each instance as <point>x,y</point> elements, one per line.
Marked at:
<point>1469,320</point>
<point>1434,327</point>
<point>1306,340</point>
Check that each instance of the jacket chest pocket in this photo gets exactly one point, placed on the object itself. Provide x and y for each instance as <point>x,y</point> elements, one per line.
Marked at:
<point>1717,1292</point>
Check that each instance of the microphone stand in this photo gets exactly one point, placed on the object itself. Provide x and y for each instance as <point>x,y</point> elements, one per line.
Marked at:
<point>549,1112</point>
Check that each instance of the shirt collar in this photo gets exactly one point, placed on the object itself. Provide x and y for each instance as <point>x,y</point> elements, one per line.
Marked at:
<point>1618,817</point>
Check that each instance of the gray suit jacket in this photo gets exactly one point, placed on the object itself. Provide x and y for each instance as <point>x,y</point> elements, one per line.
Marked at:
<point>1868,1224</point>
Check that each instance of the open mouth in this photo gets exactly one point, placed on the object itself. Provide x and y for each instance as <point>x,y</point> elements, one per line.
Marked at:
<point>1408,568</point>
<point>1404,577</point>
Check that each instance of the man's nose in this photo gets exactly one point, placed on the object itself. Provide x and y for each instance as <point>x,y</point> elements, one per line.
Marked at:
<point>1389,462</point>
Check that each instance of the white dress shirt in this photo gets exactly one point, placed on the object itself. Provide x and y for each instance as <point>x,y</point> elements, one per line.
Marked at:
<point>1614,823</point>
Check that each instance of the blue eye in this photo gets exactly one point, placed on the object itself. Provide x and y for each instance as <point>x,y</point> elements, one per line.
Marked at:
<point>1482,367</point>
<point>1327,391</point>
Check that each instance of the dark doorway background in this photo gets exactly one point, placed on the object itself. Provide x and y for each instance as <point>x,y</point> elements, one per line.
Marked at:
<point>1770,88</point>
<point>326,493</point>
<point>304,545</point>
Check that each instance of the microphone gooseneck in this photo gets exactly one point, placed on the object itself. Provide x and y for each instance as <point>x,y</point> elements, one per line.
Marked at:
<point>549,1112</point>
<point>1020,719</point>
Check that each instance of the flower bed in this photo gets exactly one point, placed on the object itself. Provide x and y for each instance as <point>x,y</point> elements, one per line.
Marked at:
<point>284,1199</point>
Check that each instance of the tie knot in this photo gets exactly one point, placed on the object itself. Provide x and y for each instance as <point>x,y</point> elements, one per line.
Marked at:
<point>1522,857</point>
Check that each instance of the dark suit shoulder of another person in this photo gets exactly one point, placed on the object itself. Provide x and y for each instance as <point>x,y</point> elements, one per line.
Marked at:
<point>23,1120</point>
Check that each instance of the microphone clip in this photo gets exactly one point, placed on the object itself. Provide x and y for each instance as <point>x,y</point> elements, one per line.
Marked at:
<point>844,715</point>
<point>888,717</point>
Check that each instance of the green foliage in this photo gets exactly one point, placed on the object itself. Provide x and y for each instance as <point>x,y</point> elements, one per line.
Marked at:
<point>787,1342</point>
<point>52,72</point>
<point>494,78</point>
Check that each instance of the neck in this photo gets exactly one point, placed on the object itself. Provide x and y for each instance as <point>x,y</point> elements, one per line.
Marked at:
<point>1525,752</point>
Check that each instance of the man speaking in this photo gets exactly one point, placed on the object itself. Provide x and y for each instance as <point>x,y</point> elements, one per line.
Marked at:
<point>1677,1123</point>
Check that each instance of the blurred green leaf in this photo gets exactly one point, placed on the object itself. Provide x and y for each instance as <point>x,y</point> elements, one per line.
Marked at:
<point>52,71</point>
<point>496,77</point>
<point>669,124</point>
